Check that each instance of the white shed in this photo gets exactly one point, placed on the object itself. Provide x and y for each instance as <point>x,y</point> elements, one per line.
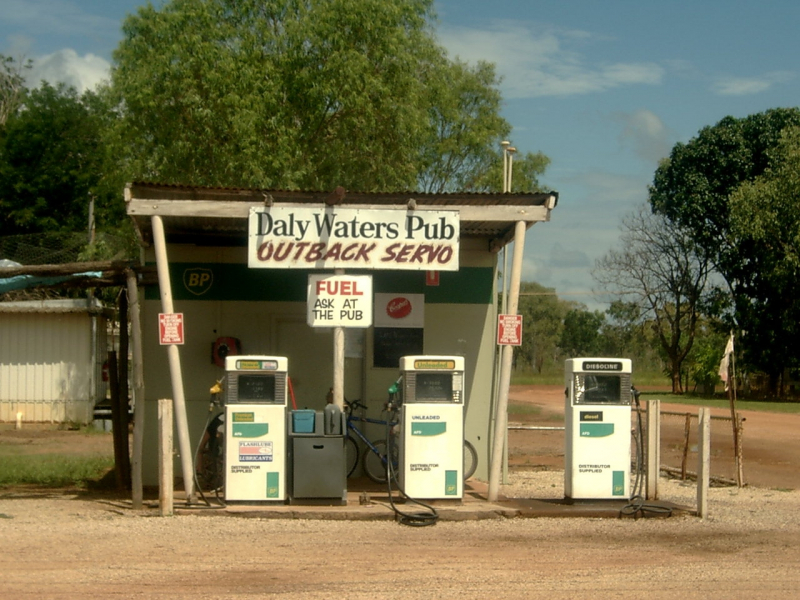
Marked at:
<point>51,356</point>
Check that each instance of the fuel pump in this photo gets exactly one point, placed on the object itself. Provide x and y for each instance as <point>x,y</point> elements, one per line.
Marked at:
<point>432,427</point>
<point>598,428</point>
<point>255,428</point>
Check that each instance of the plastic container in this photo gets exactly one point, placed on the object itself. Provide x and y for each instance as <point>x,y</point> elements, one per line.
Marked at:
<point>303,421</point>
<point>333,420</point>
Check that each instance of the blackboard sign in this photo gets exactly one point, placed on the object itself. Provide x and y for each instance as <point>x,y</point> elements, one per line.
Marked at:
<point>390,343</point>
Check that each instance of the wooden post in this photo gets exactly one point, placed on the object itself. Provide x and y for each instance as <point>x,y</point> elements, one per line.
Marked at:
<point>122,451</point>
<point>739,445</point>
<point>165,287</point>
<point>137,495</point>
<point>653,448</point>
<point>501,406</point>
<point>687,427</point>
<point>165,476</point>
<point>338,361</point>
<point>703,461</point>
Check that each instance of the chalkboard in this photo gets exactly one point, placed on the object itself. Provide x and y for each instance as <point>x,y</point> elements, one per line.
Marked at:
<point>390,343</point>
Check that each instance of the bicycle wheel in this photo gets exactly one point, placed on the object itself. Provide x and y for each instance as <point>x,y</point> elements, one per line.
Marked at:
<point>374,461</point>
<point>211,468</point>
<point>351,455</point>
<point>470,460</point>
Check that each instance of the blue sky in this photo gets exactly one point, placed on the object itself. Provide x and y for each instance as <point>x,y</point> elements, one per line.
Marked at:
<point>605,89</point>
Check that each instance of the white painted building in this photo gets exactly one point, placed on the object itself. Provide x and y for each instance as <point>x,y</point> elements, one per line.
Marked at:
<point>213,247</point>
<point>51,356</point>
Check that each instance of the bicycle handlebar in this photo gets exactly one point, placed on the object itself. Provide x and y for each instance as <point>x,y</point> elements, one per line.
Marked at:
<point>354,404</point>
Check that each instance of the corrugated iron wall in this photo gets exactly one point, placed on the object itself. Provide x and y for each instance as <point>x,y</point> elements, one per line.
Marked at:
<point>47,371</point>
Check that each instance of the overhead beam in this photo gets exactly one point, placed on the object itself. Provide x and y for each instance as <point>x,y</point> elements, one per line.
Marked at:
<point>220,209</point>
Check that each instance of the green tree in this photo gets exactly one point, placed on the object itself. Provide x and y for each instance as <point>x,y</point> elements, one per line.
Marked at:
<point>658,267</point>
<point>542,322</point>
<point>294,94</point>
<point>462,152</point>
<point>11,86</point>
<point>48,163</point>
<point>622,329</point>
<point>694,188</point>
<point>765,214</point>
<point>581,333</point>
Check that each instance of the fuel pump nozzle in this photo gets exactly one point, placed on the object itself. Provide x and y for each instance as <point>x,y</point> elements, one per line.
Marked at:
<point>393,403</point>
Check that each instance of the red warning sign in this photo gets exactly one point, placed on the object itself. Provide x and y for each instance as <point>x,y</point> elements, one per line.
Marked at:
<point>170,328</point>
<point>509,330</point>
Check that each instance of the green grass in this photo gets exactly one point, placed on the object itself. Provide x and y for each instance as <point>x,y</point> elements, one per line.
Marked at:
<point>557,378</point>
<point>53,470</point>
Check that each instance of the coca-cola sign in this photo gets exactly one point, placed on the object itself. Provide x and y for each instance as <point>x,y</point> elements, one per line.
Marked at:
<point>398,308</point>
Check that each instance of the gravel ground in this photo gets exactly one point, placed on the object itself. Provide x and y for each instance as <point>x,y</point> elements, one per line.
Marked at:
<point>68,546</point>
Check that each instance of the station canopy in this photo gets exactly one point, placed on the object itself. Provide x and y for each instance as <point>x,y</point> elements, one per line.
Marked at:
<point>219,216</point>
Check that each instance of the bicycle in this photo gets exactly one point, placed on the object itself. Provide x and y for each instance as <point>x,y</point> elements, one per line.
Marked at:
<point>374,460</point>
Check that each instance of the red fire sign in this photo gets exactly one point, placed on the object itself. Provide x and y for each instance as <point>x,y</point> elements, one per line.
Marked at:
<point>509,330</point>
<point>170,328</point>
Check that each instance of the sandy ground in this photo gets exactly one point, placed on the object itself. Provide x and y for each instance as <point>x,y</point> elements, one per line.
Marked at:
<point>70,544</point>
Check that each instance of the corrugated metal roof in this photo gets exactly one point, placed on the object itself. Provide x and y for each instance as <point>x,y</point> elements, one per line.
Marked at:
<point>83,305</point>
<point>217,216</point>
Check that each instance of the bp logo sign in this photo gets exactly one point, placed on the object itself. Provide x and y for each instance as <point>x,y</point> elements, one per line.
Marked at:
<point>198,280</point>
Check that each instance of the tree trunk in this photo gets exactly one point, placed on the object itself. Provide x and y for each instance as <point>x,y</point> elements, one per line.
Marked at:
<point>676,380</point>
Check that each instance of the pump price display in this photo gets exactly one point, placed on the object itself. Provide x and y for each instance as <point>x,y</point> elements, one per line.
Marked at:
<point>339,300</point>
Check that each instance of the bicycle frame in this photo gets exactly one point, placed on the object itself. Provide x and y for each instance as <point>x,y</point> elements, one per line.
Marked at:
<point>360,434</point>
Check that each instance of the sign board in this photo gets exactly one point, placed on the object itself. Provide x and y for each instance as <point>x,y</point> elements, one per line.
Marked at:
<point>352,238</point>
<point>509,330</point>
<point>339,300</point>
<point>400,310</point>
<point>170,328</point>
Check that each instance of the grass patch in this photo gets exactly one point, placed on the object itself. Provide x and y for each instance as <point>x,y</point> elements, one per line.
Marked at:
<point>53,470</point>
<point>520,408</point>
<point>554,377</point>
<point>523,410</point>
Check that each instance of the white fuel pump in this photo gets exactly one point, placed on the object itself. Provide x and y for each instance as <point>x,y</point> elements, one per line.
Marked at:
<point>432,427</point>
<point>255,428</point>
<point>598,428</point>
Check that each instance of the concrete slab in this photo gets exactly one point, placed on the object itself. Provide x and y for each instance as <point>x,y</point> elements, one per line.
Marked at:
<point>367,501</point>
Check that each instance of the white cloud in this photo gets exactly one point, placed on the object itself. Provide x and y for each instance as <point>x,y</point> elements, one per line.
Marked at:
<point>646,133</point>
<point>537,62</point>
<point>745,86</point>
<point>66,66</point>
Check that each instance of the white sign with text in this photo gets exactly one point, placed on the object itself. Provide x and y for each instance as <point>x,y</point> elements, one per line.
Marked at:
<point>352,238</point>
<point>339,300</point>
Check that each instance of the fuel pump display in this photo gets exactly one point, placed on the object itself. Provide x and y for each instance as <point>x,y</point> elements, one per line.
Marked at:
<point>432,427</point>
<point>255,428</point>
<point>598,428</point>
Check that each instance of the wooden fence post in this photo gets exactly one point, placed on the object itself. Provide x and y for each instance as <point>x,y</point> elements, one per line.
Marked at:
<point>653,448</point>
<point>703,460</point>
<point>165,466</point>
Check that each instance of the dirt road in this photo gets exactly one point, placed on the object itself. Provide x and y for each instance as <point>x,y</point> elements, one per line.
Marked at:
<point>771,441</point>
<point>66,544</point>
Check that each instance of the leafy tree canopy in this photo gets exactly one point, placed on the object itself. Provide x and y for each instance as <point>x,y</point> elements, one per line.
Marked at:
<point>581,333</point>
<point>698,187</point>
<point>301,94</point>
<point>49,160</point>
<point>765,214</point>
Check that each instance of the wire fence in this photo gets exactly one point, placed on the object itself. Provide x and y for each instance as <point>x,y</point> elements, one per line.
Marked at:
<point>533,445</point>
<point>679,447</point>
